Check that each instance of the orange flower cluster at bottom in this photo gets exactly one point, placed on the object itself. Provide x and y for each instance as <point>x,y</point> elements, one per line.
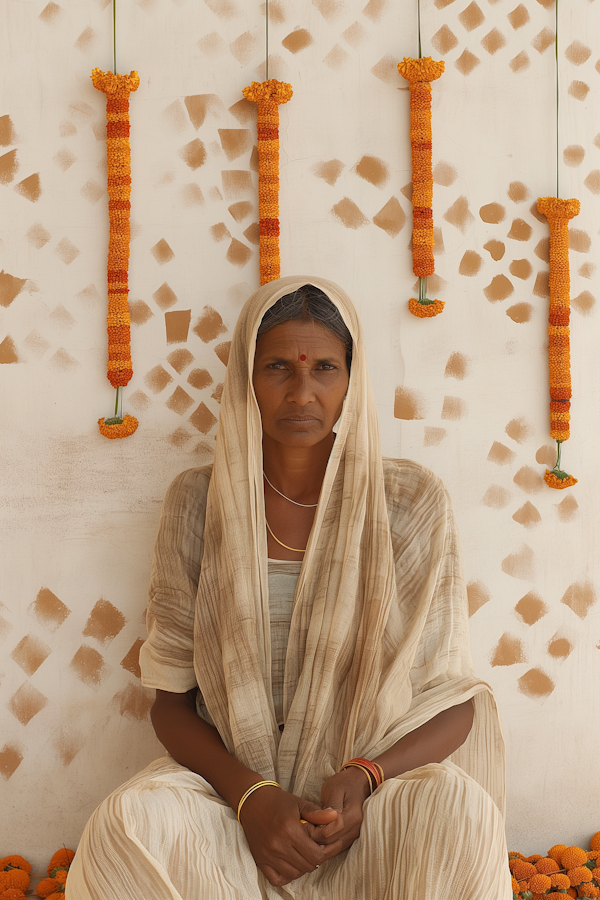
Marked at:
<point>118,428</point>
<point>565,871</point>
<point>553,481</point>
<point>425,310</point>
<point>14,877</point>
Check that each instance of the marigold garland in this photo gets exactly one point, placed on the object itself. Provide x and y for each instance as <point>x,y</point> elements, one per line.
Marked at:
<point>420,73</point>
<point>268,95</point>
<point>118,428</point>
<point>118,156</point>
<point>558,212</point>
<point>563,871</point>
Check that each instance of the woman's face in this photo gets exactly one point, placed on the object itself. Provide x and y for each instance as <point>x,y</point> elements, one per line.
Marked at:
<point>300,380</point>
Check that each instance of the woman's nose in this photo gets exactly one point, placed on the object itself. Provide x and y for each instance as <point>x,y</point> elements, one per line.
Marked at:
<point>301,390</point>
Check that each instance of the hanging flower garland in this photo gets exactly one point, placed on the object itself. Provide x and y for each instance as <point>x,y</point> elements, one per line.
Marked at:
<point>118,156</point>
<point>268,95</point>
<point>558,213</point>
<point>420,73</point>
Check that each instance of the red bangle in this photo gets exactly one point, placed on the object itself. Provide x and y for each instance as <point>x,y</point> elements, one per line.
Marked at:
<point>374,769</point>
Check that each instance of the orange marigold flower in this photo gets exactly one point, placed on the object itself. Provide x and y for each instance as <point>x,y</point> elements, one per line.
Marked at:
<point>579,875</point>
<point>118,429</point>
<point>47,887</point>
<point>425,310</point>
<point>14,878</point>
<point>546,865</point>
<point>572,892</point>
<point>595,841</point>
<point>534,858</point>
<point>596,874</point>
<point>523,870</point>
<point>557,851</point>
<point>554,481</point>
<point>539,884</point>
<point>13,894</point>
<point>14,862</point>
<point>62,859</point>
<point>560,881</point>
<point>588,890</point>
<point>515,885</point>
<point>571,857</point>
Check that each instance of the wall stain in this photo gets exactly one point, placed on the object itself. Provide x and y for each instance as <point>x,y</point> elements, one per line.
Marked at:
<point>499,288</point>
<point>238,254</point>
<point>454,408</point>
<point>203,419</point>
<point>162,252</point>
<point>139,312</point>
<point>444,40</point>
<point>241,210</point>
<point>68,745</point>
<point>139,400</point>
<point>459,214</point>
<point>8,351</point>
<point>180,437</point>
<point>36,344</point>
<point>542,250</point>
<point>85,40</point>
<point>30,653</point>
<point>520,312</point>
<point>10,287</point>
<point>7,132</point>
<point>544,38</point>
<point>527,515</point>
<point>157,379</point>
<point>520,62</point>
<point>134,702</point>
<point>89,666</point>
<point>531,608</point>
<point>409,404</point>
<point>433,436</point>
<point>225,9</point>
<point>391,218</point>
<point>245,46</point>
<point>444,174</point>
<point>355,35</point>
<point>541,288</point>
<point>500,454</point>
<point>577,53</point>
<point>180,359</point>
<point>470,264</point>
<point>529,480</point>
<point>164,296</point>
<point>520,430</point>
<point>329,9</point>
<point>235,141</point>
<point>222,351</point>
<point>520,564</point>
<point>492,213</point>
<point>579,241</point>
<point>26,703</point>
<point>179,401</point>
<point>471,17</point>
<point>219,232</point>
<point>49,610</point>
<point>438,242</point>
<point>177,325</point>
<point>374,9</point>
<point>457,366</point>
<point>520,230</point>
<point>580,597</point>
<point>496,497</point>
<point>61,361</point>
<point>9,166</point>
<point>520,268</point>
<point>386,70</point>
<point>244,111</point>
<point>191,195</point>
<point>297,40</point>
<point>508,651</point>
<point>349,214</point>
<point>373,170</point>
<point>30,188</point>
<point>193,154</point>
<point>477,596</point>
<point>11,758</point>
<point>573,155</point>
<point>200,378</point>
<point>236,182</point>
<point>5,627</point>
<point>212,44</point>
<point>584,303</point>
<point>537,215</point>
<point>61,317</point>
<point>337,57</point>
<point>536,684</point>
<point>496,249</point>
<point>329,171</point>
<point>104,622</point>
<point>466,62</point>
<point>89,296</point>
<point>567,509</point>
<point>217,394</point>
<point>518,192</point>
<point>51,14</point>
<point>518,17</point>
<point>579,90</point>
<point>199,105</point>
<point>592,181</point>
<point>66,251</point>
<point>546,455</point>
<point>175,117</point>
<point>493,41</point>
<point>559,647</point>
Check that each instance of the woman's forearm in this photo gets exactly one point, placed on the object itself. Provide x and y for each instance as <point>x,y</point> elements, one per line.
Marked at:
<point>432,742</point>
<point>197,745</point>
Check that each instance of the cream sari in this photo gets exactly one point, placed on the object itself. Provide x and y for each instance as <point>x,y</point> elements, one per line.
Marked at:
<point>378,645</point>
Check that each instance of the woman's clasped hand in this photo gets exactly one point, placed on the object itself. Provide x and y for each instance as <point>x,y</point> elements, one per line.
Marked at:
<point>289,836</point>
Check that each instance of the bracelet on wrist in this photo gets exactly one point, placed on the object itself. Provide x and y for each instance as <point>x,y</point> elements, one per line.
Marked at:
<point>251,790</point>
<point>372,770</point>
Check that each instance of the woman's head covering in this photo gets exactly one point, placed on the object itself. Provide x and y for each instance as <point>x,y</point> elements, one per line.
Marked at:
<point>361,618</point>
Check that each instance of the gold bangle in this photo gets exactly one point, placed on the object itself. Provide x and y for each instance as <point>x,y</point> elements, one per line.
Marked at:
<point>251,790</point>
<point>364,769</point>
<point>380,771</point>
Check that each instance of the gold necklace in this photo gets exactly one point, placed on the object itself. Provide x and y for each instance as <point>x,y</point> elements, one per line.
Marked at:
<point>293,549</point>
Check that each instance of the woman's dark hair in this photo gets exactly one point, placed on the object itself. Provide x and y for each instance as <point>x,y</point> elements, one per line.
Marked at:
<point>309,304</point>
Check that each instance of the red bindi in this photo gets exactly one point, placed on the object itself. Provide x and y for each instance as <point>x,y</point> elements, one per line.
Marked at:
<point>302,357</point>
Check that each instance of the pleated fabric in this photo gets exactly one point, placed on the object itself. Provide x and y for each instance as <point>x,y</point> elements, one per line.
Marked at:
<point>431,834</point>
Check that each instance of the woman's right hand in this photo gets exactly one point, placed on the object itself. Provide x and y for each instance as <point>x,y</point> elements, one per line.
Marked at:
<point>282,846</point>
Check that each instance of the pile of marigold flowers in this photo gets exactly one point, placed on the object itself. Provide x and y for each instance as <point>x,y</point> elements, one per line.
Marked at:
<point>569,871</point>
<point>15,873</point>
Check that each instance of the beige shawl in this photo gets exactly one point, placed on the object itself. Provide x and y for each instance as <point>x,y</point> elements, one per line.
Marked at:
<point>378,641</point>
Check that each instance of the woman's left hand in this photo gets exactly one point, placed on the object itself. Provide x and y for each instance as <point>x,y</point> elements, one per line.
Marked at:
<point>345,792</point>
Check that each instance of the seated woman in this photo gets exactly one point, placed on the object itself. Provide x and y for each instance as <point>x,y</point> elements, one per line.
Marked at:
<point>308,642</point>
